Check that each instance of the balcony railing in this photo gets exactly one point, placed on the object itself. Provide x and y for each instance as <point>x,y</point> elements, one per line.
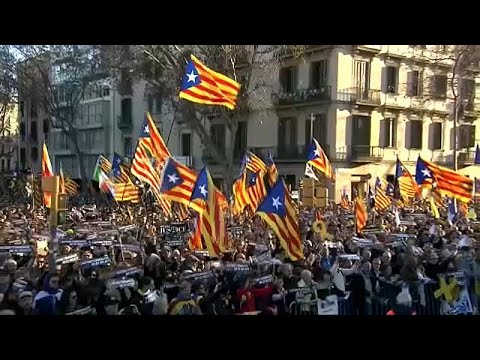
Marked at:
<point>365,153</point>
<point>302,96</point>
<point>360,95</point>
<point>466,156</point>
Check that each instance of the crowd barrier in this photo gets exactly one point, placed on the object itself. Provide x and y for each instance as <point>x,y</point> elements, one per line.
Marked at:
<point>423,302</point>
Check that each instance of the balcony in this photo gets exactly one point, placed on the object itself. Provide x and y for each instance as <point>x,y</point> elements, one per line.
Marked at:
<point>375,49</point>
<point>360,96</point>
<point>124,123</point>
<point>466,157</point>
<point>365,153</point>
<point>302,96</point>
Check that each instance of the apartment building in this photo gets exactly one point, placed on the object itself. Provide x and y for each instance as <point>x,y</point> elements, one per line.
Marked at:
<point>108,119</point>
<point>9,140</point>
<point>366,105</point>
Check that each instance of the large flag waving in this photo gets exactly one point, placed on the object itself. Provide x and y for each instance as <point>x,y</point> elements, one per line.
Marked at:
<point>204,86</point>
<point>404,185</point>
<point>103,164</point>
<point>119,172</point>
<point>449,183</point>
<point>212,218</point>
<point>318,160</point>
<point>361,214</point>
<point>278,211</point>
<point>152,140</point>
<point>47,171</point>
<point>382,201</point>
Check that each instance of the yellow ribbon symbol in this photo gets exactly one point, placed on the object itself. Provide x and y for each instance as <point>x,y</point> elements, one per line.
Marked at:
<point>450,291</point>
<point>320,227</point>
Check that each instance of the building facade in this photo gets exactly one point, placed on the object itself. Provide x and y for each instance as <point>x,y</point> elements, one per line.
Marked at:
<point>366,105</point>
<point>9,139</point>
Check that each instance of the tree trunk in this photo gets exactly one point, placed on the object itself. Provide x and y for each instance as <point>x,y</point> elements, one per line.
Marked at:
<point>230,152</point>
<point>81,165</point>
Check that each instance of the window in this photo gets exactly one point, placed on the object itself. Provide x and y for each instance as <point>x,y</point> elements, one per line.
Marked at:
<point>22,131</point>
<point>319,131</point>
<point>468,89</point>
<point>150,103</point>
<point>34,154</point>
<point>287,137</point>
<point>388,132</point>
<point>33,131</point>
<point>23,157</point>
<point>361,74</point>
<point>415,135</point>
<point>126,117</point>
<point>127,147</point>
<point>22,108</point>
<point>288,79</point>
<point>240,140</point>
<point>467,136</point>
<point>186,145</point>
<point>217,133</point>
<point>436,136</point>
<point>45,125</point>
<point>8,165</point>
<point>439,86</point>
<point>391,79</point>
<point>290,181</point>
<point>414,83</point>
<point>158,104</point>
<point>33,110</point>
<point>318,74</point>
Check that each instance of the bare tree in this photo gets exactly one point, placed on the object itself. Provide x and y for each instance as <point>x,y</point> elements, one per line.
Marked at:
<point>163,66</point>
<point>56,77</point>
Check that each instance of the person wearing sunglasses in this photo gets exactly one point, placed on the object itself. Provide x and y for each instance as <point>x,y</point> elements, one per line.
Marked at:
<point>47,300</point>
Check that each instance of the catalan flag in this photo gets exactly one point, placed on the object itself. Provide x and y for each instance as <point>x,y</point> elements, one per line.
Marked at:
<point>71,186</point>
<point>119,171</point>
<point>152,140</point>
<point>256,190</point>
<point>318,160</point>
<point>204,86</point>
<point>448,182</point>
<point>382,201</point>
<point>361,215</point>
<point>278,211</point>
<point>253,163</point>
<point>272,171</point>
<point>47,171</point>
<point>103,164</point>
<point>195,242</point>
<point>126,192</point>
<point>212,219</point>
<point>477,155</point>
<point>176,183</point>
<point>180,211</point>
<point>404,185</point>
<point>463,208</point>
<point>62,180</point>
<point>240,197</point>
<point>344,203</point>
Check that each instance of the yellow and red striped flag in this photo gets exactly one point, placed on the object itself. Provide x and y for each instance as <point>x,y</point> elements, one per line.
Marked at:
<point>361,215</point>
<point>278,211</point>
<point>404,184</point>
<point>318,160</point>
<point>204,86</point>
<point>47,171</point>
<point>448,182</point>
<point>382,201</point>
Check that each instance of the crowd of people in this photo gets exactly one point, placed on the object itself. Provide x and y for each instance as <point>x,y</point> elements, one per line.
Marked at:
<point>124,260</point>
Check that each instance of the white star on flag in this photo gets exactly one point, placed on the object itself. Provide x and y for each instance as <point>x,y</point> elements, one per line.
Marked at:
<point>426,173</point>
<point>192,77</point>
<point>204,191</point>
<point>276,202</point>
<point>146,130</point>
<point>172,178</point>
<point>316,152</point>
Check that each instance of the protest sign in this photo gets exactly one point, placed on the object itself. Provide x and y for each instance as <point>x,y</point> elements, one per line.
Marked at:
<point>93,263</point>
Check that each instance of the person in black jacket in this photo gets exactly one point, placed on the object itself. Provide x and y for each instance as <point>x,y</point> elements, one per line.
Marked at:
<point>145,296</point>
